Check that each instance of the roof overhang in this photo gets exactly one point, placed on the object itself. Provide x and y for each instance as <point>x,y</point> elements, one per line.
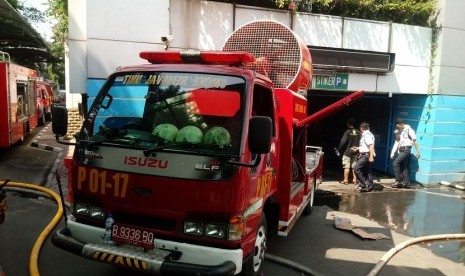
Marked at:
<point>19,39</point>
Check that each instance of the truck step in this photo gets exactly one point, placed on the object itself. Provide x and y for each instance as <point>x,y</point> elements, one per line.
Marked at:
<point>126,256</point>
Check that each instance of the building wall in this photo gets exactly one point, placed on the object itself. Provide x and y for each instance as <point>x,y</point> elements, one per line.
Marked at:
<point>449,65</point>
<point>109,33</point>
<point>447,133</point>
<point>106,34</point>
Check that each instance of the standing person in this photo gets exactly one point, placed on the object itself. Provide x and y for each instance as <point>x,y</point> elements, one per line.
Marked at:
<point>350,139</point>
<point>395,148</point>
<point>366,158</point>
<point>401,164</point>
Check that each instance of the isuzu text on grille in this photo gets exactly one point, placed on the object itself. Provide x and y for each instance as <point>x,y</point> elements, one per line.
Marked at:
<point>145,162</point>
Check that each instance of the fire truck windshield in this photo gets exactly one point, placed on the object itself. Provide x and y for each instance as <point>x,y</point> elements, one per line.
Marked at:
<point>168,110</point>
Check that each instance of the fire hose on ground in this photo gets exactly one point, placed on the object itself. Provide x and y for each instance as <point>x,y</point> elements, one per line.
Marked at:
<point>380,264</point>
<point>34,256</point>
<point>433,238</point>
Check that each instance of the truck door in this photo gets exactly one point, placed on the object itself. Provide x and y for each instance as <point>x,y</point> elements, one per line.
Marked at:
<point>22,110</point>
<point>263,106</point>
<point>31,99</point>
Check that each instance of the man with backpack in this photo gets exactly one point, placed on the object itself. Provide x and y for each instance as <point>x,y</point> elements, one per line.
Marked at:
<point>350,139</point>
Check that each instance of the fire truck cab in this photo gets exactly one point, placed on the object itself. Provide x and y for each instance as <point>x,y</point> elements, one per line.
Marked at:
<point>44,95</point>
<point>195,163</point>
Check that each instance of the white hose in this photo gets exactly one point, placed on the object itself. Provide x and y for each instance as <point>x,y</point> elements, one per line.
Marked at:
<point>377,268</point>
<point>294,265</point>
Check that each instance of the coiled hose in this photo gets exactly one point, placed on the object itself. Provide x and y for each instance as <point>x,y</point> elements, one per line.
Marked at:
<point>433,238</point>
<point>34,256</point>
<point>380,264</point>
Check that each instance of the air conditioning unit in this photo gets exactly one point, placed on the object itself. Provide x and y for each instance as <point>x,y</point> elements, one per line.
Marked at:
<point>338,59</point>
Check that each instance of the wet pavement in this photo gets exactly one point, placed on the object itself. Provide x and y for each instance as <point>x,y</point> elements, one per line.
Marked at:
<point>415,212</point>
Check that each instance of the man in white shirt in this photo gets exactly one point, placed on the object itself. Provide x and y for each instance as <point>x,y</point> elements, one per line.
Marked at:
<point>366,158</point>
<point>401,164</point>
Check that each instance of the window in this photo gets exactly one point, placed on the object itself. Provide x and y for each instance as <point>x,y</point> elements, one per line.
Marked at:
<point>263,103</point>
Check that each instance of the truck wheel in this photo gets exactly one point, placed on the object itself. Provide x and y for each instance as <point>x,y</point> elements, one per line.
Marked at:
<point>253,266</point>
<point>308,209</point>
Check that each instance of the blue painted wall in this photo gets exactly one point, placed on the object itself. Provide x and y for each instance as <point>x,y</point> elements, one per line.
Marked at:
<point>439,122</point>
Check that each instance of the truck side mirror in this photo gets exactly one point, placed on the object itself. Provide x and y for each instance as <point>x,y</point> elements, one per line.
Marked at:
<point>59,120</point>
<point>260,133</point>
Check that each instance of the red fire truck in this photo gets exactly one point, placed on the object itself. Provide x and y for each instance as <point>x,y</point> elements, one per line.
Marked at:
<point>25,101</point>
<point>185,165</point>
<point>17,102</point>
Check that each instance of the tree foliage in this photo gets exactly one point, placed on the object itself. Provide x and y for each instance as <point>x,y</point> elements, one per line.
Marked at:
<point>412,12</point>
<point>58,9</point>
<point>30,13</point>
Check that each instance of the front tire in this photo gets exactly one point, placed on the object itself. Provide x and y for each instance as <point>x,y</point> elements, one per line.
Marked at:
<point>254,264</point>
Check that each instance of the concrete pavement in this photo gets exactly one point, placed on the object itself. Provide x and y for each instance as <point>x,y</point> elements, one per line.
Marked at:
<point>45,140</point>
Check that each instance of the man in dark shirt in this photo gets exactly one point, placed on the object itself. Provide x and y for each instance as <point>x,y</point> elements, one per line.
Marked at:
<point>350,138</point>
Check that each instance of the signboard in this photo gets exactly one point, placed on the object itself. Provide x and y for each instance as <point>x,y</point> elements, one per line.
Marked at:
<point>334,82</point>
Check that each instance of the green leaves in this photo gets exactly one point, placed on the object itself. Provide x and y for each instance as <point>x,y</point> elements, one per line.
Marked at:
<point>413,12</point>
<point>58,9</point>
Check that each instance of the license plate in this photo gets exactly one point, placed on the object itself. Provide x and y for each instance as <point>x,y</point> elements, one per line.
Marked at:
<point>129,234</point>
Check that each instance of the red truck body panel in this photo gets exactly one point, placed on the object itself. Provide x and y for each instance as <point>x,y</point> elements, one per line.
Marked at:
<point>17,103</point>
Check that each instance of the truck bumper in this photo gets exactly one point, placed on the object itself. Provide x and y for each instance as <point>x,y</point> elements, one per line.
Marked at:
<point>156,261</point>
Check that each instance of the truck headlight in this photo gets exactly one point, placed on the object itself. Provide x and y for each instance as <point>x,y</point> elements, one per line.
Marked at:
<point>82,209</point>
<point>88,210</point>
<point>193,228</point>
<point>96,212</point>
<point>214,230</point>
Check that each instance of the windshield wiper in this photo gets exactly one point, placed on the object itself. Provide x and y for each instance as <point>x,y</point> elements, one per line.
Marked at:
<point>149,151</point>
<point>113,139</point>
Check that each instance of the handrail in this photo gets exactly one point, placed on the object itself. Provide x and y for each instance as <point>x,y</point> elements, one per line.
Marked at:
<point>3,56</point>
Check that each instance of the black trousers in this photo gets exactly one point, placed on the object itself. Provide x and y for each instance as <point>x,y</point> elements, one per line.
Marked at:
<point>363,172</point>
<point>401,166</point>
